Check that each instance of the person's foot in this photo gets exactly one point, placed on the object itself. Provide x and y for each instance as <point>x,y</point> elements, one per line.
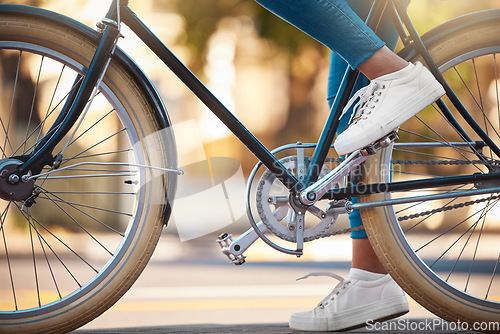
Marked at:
<point>386,103</point>
<point>363,297</point>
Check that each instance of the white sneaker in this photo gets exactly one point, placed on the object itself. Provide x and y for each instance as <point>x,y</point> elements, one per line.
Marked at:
<point>353,303</point>
<point>386,103</point>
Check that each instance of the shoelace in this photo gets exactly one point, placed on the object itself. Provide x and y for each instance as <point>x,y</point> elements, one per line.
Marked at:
<point>331,296</point>
<point>368,97</point>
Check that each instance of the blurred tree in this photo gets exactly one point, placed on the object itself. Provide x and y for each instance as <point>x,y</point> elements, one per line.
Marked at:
<point>305,58</point>
<point>202,18</point>
<point>12,67</point>
<point>426,14</point>
<point>35,3</point>
<point>304,55</point>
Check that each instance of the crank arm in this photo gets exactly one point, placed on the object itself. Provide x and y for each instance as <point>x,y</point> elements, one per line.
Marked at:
<point>315,191</point>
<point>234,249</point>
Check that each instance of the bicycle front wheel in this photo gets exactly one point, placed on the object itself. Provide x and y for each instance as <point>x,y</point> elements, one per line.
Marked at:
<point>74,248</point>
<point>445,253</point>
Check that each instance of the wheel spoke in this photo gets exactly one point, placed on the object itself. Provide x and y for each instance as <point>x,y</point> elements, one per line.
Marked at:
<point>79,256</point>
<point>452,241</point>
<point>59,199</point>
<point>7,257</point>
<point>86,217</point>
<point>497,91</point>
<point>102,155</point>
<point>39,127</point>
<point>445,141</point>
<point>88,206</point>
<point>114,135</point>
<point>35,272</point>
<point>91,127</point>
<point>76,222</point>
<point>492,277</point>
<point>6,129</point>
<point>33,100</point>
<point>47,261</point>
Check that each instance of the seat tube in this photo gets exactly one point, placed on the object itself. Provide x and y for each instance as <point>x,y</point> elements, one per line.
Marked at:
<point>331,125</point>
<point>343,95</point>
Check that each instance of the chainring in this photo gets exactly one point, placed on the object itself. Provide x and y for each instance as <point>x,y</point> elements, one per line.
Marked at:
<point>271,193</point>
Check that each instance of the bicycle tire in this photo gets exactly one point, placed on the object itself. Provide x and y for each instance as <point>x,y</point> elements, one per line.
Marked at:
<point>424,249</point>
<point>86,242</point>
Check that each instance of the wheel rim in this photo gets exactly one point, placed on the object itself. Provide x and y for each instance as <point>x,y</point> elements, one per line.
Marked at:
<point>460,256</point>
<point>65,281</point>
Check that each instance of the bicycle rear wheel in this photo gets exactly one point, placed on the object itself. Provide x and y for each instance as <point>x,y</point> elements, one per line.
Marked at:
<point>96,220</point>
<point>445,253</point>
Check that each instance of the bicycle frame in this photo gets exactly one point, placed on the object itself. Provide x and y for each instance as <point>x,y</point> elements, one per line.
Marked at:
<point>120,12</point>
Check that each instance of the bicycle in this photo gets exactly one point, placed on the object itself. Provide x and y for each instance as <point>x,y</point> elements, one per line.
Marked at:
<point>100,119</point>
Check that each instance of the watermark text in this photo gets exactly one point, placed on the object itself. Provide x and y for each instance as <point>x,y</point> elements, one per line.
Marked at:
<point>430,325</point>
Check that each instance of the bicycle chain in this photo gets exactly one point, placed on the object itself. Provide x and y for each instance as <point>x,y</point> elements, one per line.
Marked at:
<point>427,162</point>
<point>416,215</point>
<point>344,231</point>
<point>412,216</point>
<point>447,208</point>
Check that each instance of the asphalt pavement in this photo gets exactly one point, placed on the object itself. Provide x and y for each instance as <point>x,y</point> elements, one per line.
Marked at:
<point>191,288</point>
<point>393,326</point>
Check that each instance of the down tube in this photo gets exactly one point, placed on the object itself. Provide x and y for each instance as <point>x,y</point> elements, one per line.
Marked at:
<point>199,89</point>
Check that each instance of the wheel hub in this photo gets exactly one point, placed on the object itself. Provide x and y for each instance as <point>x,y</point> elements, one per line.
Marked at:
<point>12,186</point>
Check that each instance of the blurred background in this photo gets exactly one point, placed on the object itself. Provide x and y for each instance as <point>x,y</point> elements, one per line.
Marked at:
<point>268,73</point>
<point>273,78</point>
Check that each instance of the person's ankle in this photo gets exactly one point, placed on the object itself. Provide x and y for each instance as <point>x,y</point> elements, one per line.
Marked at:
<point>382,62</point>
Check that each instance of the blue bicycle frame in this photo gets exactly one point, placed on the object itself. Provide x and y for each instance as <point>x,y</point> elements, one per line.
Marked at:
<point>119,11</point>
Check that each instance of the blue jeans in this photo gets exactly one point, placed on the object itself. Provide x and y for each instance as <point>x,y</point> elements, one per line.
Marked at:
<point>387,32</point>
<point>331,22</point>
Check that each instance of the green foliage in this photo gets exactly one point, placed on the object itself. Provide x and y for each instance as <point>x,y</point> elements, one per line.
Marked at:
<point>427,14</point>
<point>36,3</point>
<point>202,18</point>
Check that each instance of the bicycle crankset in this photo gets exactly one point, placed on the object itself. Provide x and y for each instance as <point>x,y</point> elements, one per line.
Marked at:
<point>273,195</point>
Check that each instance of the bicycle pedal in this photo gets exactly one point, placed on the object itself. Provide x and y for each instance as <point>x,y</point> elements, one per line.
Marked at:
<point>225,240</point>
<point>379,144</point>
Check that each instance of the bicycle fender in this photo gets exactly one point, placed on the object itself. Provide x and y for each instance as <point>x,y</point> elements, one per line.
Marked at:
<point>453,26</point>
<point>161,115</point>
<point>94,36</point>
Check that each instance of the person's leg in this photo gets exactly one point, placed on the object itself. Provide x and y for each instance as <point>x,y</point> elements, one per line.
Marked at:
<point>377,68</point>
<point>382,62</point>
<point>337,26</point>
<point>333,23</point>
<point>391,99</point>
<point>368,293</point>
<point>363,256</point>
